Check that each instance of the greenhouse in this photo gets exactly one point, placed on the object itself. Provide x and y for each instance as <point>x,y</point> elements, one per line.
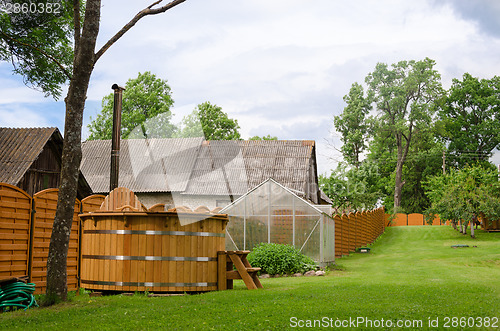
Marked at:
<point>272,213</point>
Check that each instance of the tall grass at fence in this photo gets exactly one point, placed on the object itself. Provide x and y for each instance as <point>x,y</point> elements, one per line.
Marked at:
<point>411,274</point>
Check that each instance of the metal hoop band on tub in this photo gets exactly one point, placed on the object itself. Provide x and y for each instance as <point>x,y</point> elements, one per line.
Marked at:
<point>149,258</point>
<point>147,284</point>
<point>152,232</point>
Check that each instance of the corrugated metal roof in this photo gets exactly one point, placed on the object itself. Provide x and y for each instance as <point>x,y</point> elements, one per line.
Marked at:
<point>196,167</point>
<point>152,165</point>
<point>234,167</point>
<point>19,148</point>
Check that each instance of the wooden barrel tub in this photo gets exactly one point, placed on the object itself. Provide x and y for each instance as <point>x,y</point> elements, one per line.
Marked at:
<point>148,250</point>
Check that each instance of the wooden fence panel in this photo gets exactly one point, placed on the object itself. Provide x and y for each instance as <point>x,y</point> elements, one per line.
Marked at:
<point>415,219</point>
<point>368,231</point>
<point>15,222</point>
<point>352,232</point>
<point>338,236</point>
<point>370,228</point>
<point>92,203</point>
<point>345,234</point>
<point>436,220</point>
<point>362,226</point>
<point>376,214</point>
<point>359,229</point>
<point>400,220</point>
<point>382,220</point>
<point>374,226</point>
<point>410,220</point>
<point>45,203</point>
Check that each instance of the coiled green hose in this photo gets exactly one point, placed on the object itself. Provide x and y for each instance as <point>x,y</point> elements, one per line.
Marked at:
<point>17,295</point>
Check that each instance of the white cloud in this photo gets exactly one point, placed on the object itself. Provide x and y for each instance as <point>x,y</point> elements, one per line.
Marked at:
<point>281,67</point>
<point>22,116</point>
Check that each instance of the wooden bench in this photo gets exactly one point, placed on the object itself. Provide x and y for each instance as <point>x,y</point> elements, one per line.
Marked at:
<point>226,273</point>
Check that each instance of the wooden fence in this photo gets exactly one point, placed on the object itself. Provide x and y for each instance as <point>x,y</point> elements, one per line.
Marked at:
<point>357,230</point>
<point>26,226</point>
<point>410,220</point>
<point>25,230</point>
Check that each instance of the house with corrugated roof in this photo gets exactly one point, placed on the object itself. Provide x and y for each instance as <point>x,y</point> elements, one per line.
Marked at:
<point>193,172</point>
<point>30,158</point>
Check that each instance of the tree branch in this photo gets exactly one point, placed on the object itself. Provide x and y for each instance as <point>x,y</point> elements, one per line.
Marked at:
<point>41,51</point>
<point>145,12</point>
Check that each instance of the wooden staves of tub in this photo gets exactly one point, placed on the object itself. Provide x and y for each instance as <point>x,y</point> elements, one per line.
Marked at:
<point>126,247</point>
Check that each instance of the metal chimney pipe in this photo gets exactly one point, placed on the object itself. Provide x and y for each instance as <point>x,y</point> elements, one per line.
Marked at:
<point>115,139</point>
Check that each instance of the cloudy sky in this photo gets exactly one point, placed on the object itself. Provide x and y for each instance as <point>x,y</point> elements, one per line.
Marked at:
<point>279,67</point>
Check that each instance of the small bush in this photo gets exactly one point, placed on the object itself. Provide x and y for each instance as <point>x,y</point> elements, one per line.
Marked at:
<point>280,259</point>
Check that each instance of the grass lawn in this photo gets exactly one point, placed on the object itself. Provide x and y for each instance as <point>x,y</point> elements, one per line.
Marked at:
<point>412,273</point>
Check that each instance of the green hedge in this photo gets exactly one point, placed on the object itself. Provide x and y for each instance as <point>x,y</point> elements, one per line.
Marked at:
<point>280,259</point>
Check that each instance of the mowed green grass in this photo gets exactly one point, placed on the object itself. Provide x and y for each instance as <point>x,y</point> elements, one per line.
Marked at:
<point>412,273</point>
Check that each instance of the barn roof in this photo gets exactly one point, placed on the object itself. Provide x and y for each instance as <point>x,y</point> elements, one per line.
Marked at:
<point>199,167</point>
<point>19,148</point>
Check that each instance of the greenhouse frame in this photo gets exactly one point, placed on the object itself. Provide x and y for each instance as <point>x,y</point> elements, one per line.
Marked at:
<point>273,213</point>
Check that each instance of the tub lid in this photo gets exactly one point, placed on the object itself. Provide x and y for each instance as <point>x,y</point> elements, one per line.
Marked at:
<point>188,216</point>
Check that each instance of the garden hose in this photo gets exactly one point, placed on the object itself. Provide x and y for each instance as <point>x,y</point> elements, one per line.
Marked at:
<point>17,295</point>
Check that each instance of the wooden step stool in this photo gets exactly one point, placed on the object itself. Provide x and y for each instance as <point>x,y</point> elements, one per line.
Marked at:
<point>226,272</point>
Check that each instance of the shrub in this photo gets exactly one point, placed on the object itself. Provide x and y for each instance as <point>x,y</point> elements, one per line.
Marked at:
<point>280,259</point>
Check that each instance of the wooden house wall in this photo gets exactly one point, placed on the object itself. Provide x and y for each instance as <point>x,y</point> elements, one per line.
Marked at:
<point>44,173</point>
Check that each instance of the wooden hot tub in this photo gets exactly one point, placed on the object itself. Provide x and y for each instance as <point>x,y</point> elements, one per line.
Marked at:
<point>128,248</point>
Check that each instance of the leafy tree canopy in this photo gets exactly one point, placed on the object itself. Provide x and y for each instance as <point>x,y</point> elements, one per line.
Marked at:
<point>352,124</point>
<point>465,193</point>
<point>471,117</point>
<point>38,42</point>
<point>352,188</point>
<point>146,105</point>
<point>268,137</point>
<point>211,122</point>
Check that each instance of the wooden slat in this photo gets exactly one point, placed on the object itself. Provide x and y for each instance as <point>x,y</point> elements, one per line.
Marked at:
<point>172,265</point>
<point>247,279</point>
<point>221,271</point>
<point>15,216</point>
<point>157,243</point>
<point>150,240</point>
<point>181,272</point>
<point>142,251</point>
<point>165,250</point>
<point>99,264</point>
<point>14,226</point>
<point>187,252</point>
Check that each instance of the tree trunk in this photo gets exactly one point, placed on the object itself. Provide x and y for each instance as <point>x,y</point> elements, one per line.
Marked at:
<point>71,155</point>
<point>472,234</point>
<point>398,186</point>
